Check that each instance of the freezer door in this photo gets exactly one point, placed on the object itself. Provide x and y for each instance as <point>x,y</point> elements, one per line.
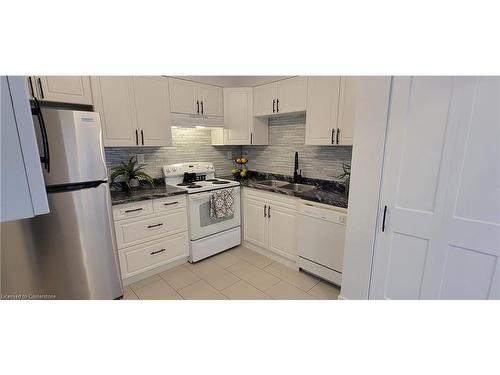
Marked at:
<point>75,146</point>
<point>75,246</point>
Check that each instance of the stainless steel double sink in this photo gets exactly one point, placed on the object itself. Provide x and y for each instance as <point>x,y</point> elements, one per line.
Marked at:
<point>295,187</point>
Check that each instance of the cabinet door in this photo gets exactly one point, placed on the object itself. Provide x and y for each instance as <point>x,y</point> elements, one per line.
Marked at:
<point>65,89</point>
<point>292,95</point>
<point>183,96</point>
<point>238,116</point>
<point>255,224</point>
<point>113,99</point>
<point>322,110</point>
<point>263,97</point>
<point>152,107</point>
<point>211,102</point>
<point>347,110</point>
<point>282,231</point>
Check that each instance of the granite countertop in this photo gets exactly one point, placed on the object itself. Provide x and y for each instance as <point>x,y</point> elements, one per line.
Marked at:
<point>326,192</point>
<point>143,193</point>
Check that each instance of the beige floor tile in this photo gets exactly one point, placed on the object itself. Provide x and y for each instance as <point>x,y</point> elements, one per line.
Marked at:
<point>283,290</point>
<point>242,290</point>
<point>179,277</point>
<point>252,257</point>
<point>324,290</point>
<point>201,290</point>
<point>253,275</point>
<point>144,282</point>
<point>128,294</point>
<point>299,279</point>
<point>225,259</point>
<point>213,274</point>
<point>157,290</point>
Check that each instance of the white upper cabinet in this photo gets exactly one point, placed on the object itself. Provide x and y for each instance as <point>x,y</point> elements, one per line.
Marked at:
<point>152,105</point>
<point>211,103</point>
<point>63,89</point>
<point>195,98</point>
<point>240,127</point>
<point>322,109</point>
<point>114,100</point>
<point>292,95</point>
<point>286,96</point>
<point>134,110</point>
<point>331,106</point>
<point>264,98</point>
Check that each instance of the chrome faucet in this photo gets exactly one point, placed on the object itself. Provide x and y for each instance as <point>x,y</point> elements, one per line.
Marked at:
<point>297,174</point>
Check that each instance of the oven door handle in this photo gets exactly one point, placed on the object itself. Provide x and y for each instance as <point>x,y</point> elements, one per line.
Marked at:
<point>201,196</point>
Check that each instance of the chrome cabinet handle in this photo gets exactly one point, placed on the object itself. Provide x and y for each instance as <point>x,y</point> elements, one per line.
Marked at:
<point>142,137</point>
<point>202,107</point>
<point>155,225</point>
<point>265,210</point>
<point>274,103</point>
<point>338,132</point>
<point>136,137</point>
<point>134,210</point>
<point>157,251</point>
<point>198,106</point>
<point>277,105</point>
<point>269,212</point>
<point>333,136</point>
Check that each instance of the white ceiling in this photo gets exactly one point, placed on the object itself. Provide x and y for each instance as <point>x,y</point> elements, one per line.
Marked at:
<point>234,81</point>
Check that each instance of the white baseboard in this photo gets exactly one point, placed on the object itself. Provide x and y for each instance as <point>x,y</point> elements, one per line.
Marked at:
<point>154,271</point>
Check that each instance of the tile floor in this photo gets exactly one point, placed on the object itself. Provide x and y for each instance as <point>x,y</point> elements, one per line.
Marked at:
<point>238,274</point>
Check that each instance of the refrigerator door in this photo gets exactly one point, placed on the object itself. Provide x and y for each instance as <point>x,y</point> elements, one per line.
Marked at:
<point>75,146</point>
<point>76,250</point>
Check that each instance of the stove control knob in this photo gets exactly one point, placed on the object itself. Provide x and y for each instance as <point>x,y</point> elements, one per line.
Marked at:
<point>167,170</point>
<point>173,169</point>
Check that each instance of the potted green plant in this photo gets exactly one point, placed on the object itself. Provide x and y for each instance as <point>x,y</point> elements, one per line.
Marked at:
<point>130,173</point>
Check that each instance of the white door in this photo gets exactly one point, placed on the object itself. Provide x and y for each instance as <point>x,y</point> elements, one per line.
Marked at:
<point>238,116</point>
<point>114,100</point>
<point>255,223</point>
<point>347,109</point>
<point>183,96</point>
<point>152,105</point>
<point>66,89</point>
<point>322,110</point>
<point>441,186</point>
<point>264,99</point>
<point>211,102</point>
<point>292,95</point>
<point>282,224</point>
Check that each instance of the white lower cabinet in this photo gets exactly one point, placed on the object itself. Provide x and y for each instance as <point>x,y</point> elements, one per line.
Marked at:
<point>269,221</point>
<point>151,234</point>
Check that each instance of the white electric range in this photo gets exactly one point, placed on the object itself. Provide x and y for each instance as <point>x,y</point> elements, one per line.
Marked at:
<point>207,236</point>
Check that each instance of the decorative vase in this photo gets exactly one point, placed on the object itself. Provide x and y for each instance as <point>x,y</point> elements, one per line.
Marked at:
<point>134,182</point>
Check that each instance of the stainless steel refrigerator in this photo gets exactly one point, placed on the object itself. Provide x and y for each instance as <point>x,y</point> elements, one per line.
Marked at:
<point>76,248</point>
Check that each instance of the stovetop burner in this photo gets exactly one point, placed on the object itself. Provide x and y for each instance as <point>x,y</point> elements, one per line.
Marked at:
<point>220,182</point>
<point>212,180</point>
<point>193,186</point>
<point>185,184</point>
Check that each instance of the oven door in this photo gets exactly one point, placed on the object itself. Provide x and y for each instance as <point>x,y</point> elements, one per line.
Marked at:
<point>201,225</point>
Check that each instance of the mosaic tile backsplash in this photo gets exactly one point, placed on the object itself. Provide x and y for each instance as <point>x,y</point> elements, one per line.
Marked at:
<point>286,135</point>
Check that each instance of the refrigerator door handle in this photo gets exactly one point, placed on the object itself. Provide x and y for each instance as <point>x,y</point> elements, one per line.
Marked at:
<point>45,159</point>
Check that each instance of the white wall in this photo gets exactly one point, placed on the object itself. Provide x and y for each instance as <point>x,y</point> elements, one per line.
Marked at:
<point>367,157</point>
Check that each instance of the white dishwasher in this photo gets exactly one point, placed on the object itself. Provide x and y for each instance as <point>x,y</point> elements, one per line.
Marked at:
<point>320,240</point>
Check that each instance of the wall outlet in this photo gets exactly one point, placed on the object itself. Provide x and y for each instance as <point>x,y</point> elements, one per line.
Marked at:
<point>229,155</point>
<point>140,158</point>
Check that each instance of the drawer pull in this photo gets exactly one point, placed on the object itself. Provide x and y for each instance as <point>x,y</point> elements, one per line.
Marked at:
<point>169,204</point>
<point>134,210</point>
<point>157,251</point>
<point>155,225</point>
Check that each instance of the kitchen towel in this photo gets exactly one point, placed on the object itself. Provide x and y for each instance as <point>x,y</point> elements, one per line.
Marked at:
<point>221,204</point>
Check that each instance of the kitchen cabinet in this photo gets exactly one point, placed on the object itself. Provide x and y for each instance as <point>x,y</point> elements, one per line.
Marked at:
<point>285,96</point>
<point>194,98</point>
<point>269,222</point>
<point>134,110</point>
<point>331,104</point>
<point>151,235</point>
<point>240,126</point>
<point>22,184</point>
<point>63,89</point>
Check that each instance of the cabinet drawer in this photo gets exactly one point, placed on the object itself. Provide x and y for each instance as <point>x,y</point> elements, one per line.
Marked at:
<point>152,254</point>
<point>129,210</point>
<point>133,231</point>
<point>169,203</point>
